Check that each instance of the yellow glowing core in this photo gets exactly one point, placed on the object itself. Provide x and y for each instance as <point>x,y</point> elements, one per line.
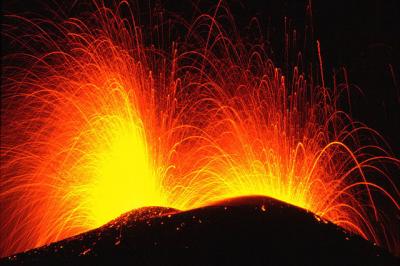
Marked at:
<point>115,172</point>
<point>125,179</point>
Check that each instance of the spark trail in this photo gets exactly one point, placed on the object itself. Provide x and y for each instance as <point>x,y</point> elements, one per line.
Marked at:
<point>96,122</point>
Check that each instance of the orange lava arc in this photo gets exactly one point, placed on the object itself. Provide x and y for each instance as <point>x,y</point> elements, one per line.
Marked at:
<point>97,121</point>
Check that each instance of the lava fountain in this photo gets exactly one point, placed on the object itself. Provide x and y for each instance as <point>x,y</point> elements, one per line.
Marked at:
<point>99,119</point>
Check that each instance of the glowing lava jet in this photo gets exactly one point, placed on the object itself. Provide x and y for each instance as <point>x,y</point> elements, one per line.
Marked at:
<point>96,122</point>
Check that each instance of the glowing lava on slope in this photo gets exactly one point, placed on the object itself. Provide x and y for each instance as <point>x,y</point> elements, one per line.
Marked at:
<point>97,120</point>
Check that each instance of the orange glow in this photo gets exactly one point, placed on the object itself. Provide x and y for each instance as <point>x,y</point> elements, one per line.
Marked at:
<point>102,123</point>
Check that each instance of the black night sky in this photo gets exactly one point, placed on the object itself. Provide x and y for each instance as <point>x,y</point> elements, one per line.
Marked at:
<point>362,37</point>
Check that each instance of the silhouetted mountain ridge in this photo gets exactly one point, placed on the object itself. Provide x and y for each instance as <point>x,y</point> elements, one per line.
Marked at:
<point>241,231</point>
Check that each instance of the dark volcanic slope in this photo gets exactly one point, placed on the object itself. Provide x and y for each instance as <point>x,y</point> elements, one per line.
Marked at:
<point>245,231</point>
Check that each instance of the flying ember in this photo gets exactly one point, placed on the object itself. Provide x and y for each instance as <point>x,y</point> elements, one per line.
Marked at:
<point>101,115</point>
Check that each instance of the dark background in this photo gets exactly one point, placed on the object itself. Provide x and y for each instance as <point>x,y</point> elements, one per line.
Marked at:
<point>362,37</point>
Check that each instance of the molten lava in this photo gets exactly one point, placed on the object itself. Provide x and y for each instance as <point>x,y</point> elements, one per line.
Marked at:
<point>97,122</point>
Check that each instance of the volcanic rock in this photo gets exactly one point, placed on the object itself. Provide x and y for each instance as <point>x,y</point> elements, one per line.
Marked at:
<point>240,231</point>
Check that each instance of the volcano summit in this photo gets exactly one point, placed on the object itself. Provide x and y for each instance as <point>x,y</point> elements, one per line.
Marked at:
<point>246,230</point>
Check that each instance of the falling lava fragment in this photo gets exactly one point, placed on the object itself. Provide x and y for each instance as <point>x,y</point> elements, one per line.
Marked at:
<point>250,230</point>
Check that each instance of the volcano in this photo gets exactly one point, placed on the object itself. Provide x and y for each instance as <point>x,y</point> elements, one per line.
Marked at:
<point>247,231</point>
